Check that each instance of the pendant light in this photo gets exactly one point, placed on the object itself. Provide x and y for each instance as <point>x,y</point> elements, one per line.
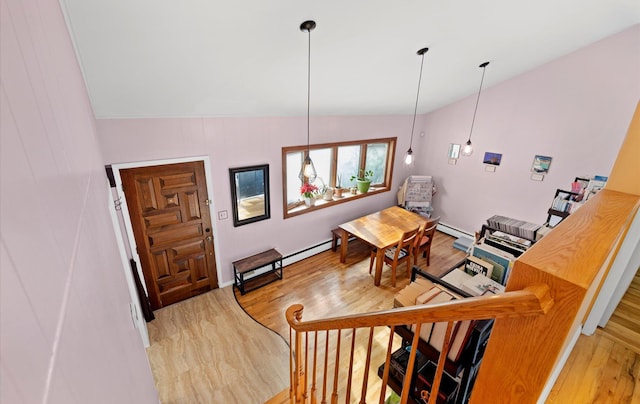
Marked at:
<point>467,150</point>
<point>308,170</point>
<point>408,159</point>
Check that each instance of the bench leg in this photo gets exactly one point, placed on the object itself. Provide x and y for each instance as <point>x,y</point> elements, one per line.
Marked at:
<point>344,242</point>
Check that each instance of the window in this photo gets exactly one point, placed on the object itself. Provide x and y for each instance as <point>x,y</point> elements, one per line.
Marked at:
<point>335,164</point>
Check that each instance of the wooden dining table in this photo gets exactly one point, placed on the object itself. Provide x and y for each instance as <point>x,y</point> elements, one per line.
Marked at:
<point>382,230</point>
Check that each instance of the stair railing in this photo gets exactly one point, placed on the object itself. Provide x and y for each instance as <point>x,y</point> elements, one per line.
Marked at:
<point>530,301</point>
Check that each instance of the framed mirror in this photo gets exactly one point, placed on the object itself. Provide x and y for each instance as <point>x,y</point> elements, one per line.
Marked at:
<point>250,194</point>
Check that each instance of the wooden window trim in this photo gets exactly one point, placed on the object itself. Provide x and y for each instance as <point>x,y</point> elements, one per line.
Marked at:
<point>298,208</point>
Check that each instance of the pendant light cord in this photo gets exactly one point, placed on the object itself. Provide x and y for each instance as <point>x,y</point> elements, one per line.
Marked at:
<point>415,111</point>
<point>308,89</point>
<point>484,68</point>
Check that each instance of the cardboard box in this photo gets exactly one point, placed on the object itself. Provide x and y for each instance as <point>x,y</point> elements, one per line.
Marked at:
<point>407,296</point>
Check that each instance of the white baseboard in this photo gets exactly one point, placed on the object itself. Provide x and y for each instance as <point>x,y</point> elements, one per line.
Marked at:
<point>452,231</point>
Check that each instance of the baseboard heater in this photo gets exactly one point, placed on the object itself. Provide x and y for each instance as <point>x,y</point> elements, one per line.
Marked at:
<point>463,241</point>
<point>308,252</point>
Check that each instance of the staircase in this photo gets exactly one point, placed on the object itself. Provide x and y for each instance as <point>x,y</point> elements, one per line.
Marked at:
<point>331,359</point>
<point>624,325</point>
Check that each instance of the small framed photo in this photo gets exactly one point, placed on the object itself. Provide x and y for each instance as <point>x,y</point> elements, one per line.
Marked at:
<point>541,164</point>
<point>454,151</point>
<point>492,158</point>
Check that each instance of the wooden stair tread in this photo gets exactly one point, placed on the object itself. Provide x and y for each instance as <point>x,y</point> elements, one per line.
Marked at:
<point>623,319</point>
<point>630,306</point>
<point>623,335</point>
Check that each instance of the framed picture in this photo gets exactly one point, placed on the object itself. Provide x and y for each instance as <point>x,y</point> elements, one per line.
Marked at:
<point>541,164</point>
<point>492,158</point>
<point>454,151</point>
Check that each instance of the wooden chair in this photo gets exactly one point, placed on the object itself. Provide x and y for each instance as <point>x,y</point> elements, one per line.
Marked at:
<point>424,239</point>
<point>402,252</point>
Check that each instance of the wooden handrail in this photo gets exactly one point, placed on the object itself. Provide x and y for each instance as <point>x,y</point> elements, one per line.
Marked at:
<point>531,300</point>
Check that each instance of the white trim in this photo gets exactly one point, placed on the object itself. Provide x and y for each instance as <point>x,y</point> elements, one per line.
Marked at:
<point>138,321</point>
<point>125,208</point>
<point>452,231</point>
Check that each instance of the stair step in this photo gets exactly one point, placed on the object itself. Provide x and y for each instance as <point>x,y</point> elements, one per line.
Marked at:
<point>629,305</point>
<point>623,335</point>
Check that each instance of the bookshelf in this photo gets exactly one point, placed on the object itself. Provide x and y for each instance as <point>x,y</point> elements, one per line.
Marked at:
<point>501,241</point>
<point>566,202</point>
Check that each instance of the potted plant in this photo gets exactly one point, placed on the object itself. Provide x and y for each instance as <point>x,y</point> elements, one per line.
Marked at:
<point>363,180</point>
<point>308,192</point>
<point>338,190</point>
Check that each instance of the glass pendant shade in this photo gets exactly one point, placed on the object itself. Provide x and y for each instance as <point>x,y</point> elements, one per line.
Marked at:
<point>308,170</point>
<point>408,159</point>
<point>467,150</point>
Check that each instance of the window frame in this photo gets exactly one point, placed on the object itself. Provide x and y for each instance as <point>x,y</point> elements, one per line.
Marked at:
<point>298,208</point>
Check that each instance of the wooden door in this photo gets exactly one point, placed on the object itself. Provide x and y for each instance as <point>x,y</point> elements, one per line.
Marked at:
<point>169,210</point>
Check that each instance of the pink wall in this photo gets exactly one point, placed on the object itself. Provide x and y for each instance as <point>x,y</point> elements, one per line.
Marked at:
<point>235,142</point>
<point>65,328</point>
<point>575,109</point>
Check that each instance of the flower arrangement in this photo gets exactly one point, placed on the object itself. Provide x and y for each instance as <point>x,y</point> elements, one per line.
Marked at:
<point>308,190</point>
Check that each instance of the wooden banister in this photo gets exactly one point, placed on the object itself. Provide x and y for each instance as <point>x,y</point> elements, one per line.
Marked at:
<point>533,299</point>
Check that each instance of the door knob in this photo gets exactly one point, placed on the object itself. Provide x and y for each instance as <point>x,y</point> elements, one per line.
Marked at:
<point>209,238</point>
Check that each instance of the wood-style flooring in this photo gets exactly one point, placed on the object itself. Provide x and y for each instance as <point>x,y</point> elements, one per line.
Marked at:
<point>624,325</point>
<point>207,350</point>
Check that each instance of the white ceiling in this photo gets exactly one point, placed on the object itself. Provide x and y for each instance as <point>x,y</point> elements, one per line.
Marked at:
<point>158,58</point>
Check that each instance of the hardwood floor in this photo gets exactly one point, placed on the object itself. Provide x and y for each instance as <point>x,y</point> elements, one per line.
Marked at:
<point>605,367</point>
<point>206,350</point>
<point>624,325</point>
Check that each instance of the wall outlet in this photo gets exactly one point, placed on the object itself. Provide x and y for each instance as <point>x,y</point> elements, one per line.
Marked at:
<point>222,215</point>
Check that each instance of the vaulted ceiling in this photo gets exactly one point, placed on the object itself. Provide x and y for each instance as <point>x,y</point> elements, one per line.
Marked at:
<point>144,58</point>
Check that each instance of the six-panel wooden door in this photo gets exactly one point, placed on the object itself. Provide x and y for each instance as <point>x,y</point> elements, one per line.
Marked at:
<point>169,210</point>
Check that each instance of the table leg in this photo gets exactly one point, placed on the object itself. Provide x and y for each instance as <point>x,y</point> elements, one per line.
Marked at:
<point>344,243</point>
<point>379,263</point>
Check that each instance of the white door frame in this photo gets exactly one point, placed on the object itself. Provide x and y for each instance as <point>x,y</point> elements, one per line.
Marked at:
<point>127,219</point>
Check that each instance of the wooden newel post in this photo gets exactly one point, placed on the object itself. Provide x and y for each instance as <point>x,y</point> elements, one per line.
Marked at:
<point>294,316</point>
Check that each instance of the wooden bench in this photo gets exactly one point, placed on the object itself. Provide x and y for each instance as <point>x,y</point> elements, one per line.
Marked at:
<point>343,236</point>
<point>244,270</point>
<point>337,234</point>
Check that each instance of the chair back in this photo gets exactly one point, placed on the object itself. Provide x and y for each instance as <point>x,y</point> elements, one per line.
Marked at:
<point>405,246</point>
<point>430,227</point>
<point>427,229</point>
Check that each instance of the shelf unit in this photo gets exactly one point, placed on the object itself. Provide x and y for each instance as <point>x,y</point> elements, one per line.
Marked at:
<point>561,214</point>
<point>516,253</point>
